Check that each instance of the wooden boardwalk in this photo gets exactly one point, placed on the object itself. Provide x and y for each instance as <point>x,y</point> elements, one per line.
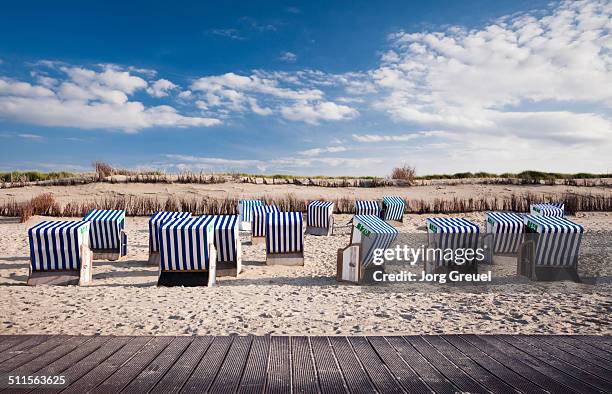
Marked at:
<point>277,364</point>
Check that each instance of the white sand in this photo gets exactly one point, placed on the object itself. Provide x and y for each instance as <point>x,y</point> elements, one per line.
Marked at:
<point>124,300</point>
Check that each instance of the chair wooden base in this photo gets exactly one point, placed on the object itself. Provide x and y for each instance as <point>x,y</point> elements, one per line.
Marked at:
<point>350,270</point>
<point>186,278</point>
<point>154,258</point>
<point>107,254</point>
<point>258,240</point>
<point>324,231</point>
<point>82,277</point>
<point>245,226</point>
<point>291,259</point>
<point>228,268</point>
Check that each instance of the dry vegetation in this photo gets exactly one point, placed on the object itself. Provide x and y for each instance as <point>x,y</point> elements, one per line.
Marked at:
<point>46,205</point>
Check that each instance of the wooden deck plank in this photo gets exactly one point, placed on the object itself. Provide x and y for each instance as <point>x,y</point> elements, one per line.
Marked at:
<point>86,364</point>
<point>601,342</point>
<point>152,374</point>
<point>355,376</point>
<point>506,374</point>
<point>576,361</point>
<point>606,355</point>
<point>328,371</point>
<point>181,370</point>
<point>231,370</point>
<point>204,374</point>
<point>403,373</point>
<point>33,366</point>
<point>586,355</point>
<point>452,372</point>
<point>574,385</point>
<point>428,373</point>
<point>105,369</point>
<point>128,371</point>
<point>22,347</point>
<point>568,368</point>
<point>32,353</point>
<point>445,364</point>
<point>279,366</point>
<point>63,363</point>
<point>379,375</point>
<point>254,376</point>
<point>517,365</point>
<point>469,366</point>
<point>8,341</point>
<point>303,369</point>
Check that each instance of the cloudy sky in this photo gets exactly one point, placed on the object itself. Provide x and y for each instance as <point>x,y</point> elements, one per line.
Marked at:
<point>346,88</point>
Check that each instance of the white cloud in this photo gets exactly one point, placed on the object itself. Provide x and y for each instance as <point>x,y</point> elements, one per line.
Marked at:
<point>234,34</point>
<point>482,80</point>
<point>160,88</point>
<point>32,137</point>
<point>288,57</point>
<point>318,151</point>
<point>319,111</point>
<point>89,99</point>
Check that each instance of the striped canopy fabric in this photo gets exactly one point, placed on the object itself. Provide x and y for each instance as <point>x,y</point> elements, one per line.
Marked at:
<point>106,226</point>
<point>558,240</point>
<point>394,207</point>
<point>376,234</point>
<point>284,233</point>
<point>245,208</point>
<point>363,207</point>
<point>156,221</point>
<point>258,219</point>
<point>507,228</point>
<point>319,213</point>
<point>453,233</point>
<point>57,245</point>
<point>549,209</point>
<point>184,243</point>
<point>226,237</point>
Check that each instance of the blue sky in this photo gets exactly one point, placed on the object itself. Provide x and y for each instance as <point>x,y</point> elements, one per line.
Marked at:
<point>336,88</point>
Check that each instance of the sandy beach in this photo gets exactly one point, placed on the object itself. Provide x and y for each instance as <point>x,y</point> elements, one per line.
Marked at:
<point>124,298</point>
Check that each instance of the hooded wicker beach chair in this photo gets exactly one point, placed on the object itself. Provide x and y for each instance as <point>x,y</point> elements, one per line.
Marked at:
<point>107,237</point>
<point>320,218</point>
<point>393,209</point>
<point>60,253</point>
<point>258,222</point>
<point>551,248</point>
<point>356,262</point>
<point>227,245</point>
<point>506,228</point>
<point>363,207</point>
<point>548,209</point>
<point>245,209</point>
<point>451,235</point>
<point>154,224</point>
<point>187,250</point>
<point>284,238</point>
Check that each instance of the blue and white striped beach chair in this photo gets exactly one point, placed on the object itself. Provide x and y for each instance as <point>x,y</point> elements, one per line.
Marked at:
<point>320,218</point>
<point>284,238</point>
<point>507,230</point>
<point>245,209</point>
<point>548,209</point>
<point>154,223</point>
<point>370,237</point>
<point>60,253</point>
<point>227,245</point>
<point>187,250</point>
<point>363,207</point>
<point>550,243</point>
<point>393,208</point>
<point>107,237</point>
<point>452,234</point>
<point>258,222</point>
